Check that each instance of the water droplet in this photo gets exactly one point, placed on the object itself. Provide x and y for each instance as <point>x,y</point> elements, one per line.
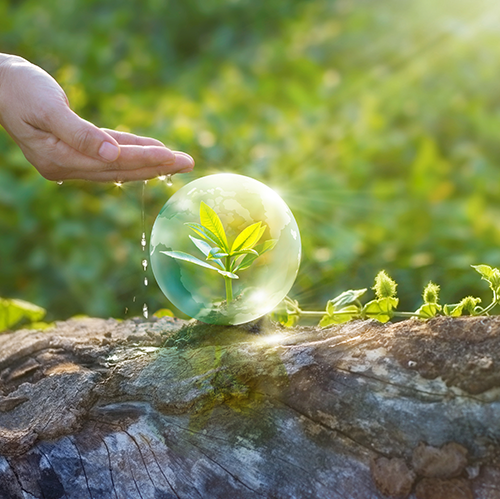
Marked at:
<point>59,182</point>
<point>145,182</point>
<point>169,180</point>
<point>143,243</point>
<point>162,177</point>
<point>133,299</point>
<point>119,183</point>
<point>145,311</point>
<point>145,265</point>
<point>126,310</point>
<point>145,281</point>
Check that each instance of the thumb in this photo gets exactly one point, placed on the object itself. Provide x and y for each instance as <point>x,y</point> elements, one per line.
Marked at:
<point>83,136</point>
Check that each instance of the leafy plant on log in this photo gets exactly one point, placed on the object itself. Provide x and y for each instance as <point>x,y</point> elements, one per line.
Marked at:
<point>348,306</point>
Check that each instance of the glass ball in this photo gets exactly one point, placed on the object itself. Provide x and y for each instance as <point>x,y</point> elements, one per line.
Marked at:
<point>225,249</point>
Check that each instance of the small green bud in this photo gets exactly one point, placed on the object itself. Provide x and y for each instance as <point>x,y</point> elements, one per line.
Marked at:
<point>469,303</point>
<point>384,287</point>
<point>431,293</point>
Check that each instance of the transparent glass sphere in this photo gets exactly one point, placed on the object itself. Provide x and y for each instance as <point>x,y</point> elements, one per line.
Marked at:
<point>225,249</point>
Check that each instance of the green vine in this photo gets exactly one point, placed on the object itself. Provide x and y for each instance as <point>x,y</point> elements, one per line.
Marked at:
<point>348,306</point>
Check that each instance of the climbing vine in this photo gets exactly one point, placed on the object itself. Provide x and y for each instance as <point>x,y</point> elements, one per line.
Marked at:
<point>348,305</point>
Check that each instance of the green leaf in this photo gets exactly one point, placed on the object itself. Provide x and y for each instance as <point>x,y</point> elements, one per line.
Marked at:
<point>247,237</point>
<point>180,255</point>
<point>246,262</point>
<point>485,270</point>
<point>428,310</point>
<point>381,309</point>
<point>452,310</point>
<point>211,221</point>
<point>216,253</point>
<point>469,304</point>
<point>287,320</point>
<point>345,314</point>
<point>284,312</point>
<point>205,248</point>
<point>266,246</point>
<point>492,275</point>
<point>227,274</point>
<point>248,251</point>
<point>466,305</point>
<point>260,249</point>
<point>203,232</point>
<point>344,299</point>
<point>12,311</point>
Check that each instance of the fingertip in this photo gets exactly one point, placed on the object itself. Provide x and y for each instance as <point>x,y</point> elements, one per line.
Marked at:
<point>183,161</point>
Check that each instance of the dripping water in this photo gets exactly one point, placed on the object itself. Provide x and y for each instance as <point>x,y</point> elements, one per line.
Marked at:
<point>59,182</point>
<point>168,178</point>
<point>144,261</point>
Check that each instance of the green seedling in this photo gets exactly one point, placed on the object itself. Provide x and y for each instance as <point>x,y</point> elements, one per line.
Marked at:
<point>225,258</point>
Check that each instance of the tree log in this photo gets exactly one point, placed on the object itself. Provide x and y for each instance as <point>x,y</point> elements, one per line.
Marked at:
<point>169,409</point>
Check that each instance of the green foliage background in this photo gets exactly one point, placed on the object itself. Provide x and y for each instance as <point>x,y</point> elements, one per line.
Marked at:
<point>378,121</point>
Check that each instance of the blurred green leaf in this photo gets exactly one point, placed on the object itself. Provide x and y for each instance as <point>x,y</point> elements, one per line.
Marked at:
<point>12,311</point>
<point>163,312</point>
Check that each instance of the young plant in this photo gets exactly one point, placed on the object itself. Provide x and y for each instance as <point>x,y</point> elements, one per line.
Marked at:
<point>225,258</point>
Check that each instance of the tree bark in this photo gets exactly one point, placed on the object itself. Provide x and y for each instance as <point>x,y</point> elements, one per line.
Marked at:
<point>172,409</point>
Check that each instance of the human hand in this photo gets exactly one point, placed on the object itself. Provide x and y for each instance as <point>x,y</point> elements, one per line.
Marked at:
<point>34,110</point>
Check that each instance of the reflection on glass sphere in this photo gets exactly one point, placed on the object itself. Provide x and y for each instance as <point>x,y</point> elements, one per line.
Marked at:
<point>225,249</point>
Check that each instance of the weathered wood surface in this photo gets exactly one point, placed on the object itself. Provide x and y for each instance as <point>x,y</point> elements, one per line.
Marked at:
<point>167,409</point>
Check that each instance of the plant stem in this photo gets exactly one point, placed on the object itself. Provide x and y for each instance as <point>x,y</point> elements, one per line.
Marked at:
<point>229,282</point>
<point>312,313</point>
<point>229,290</point>
<point>492,304</point>
<point>317,313</point>
<point>408,314</point>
